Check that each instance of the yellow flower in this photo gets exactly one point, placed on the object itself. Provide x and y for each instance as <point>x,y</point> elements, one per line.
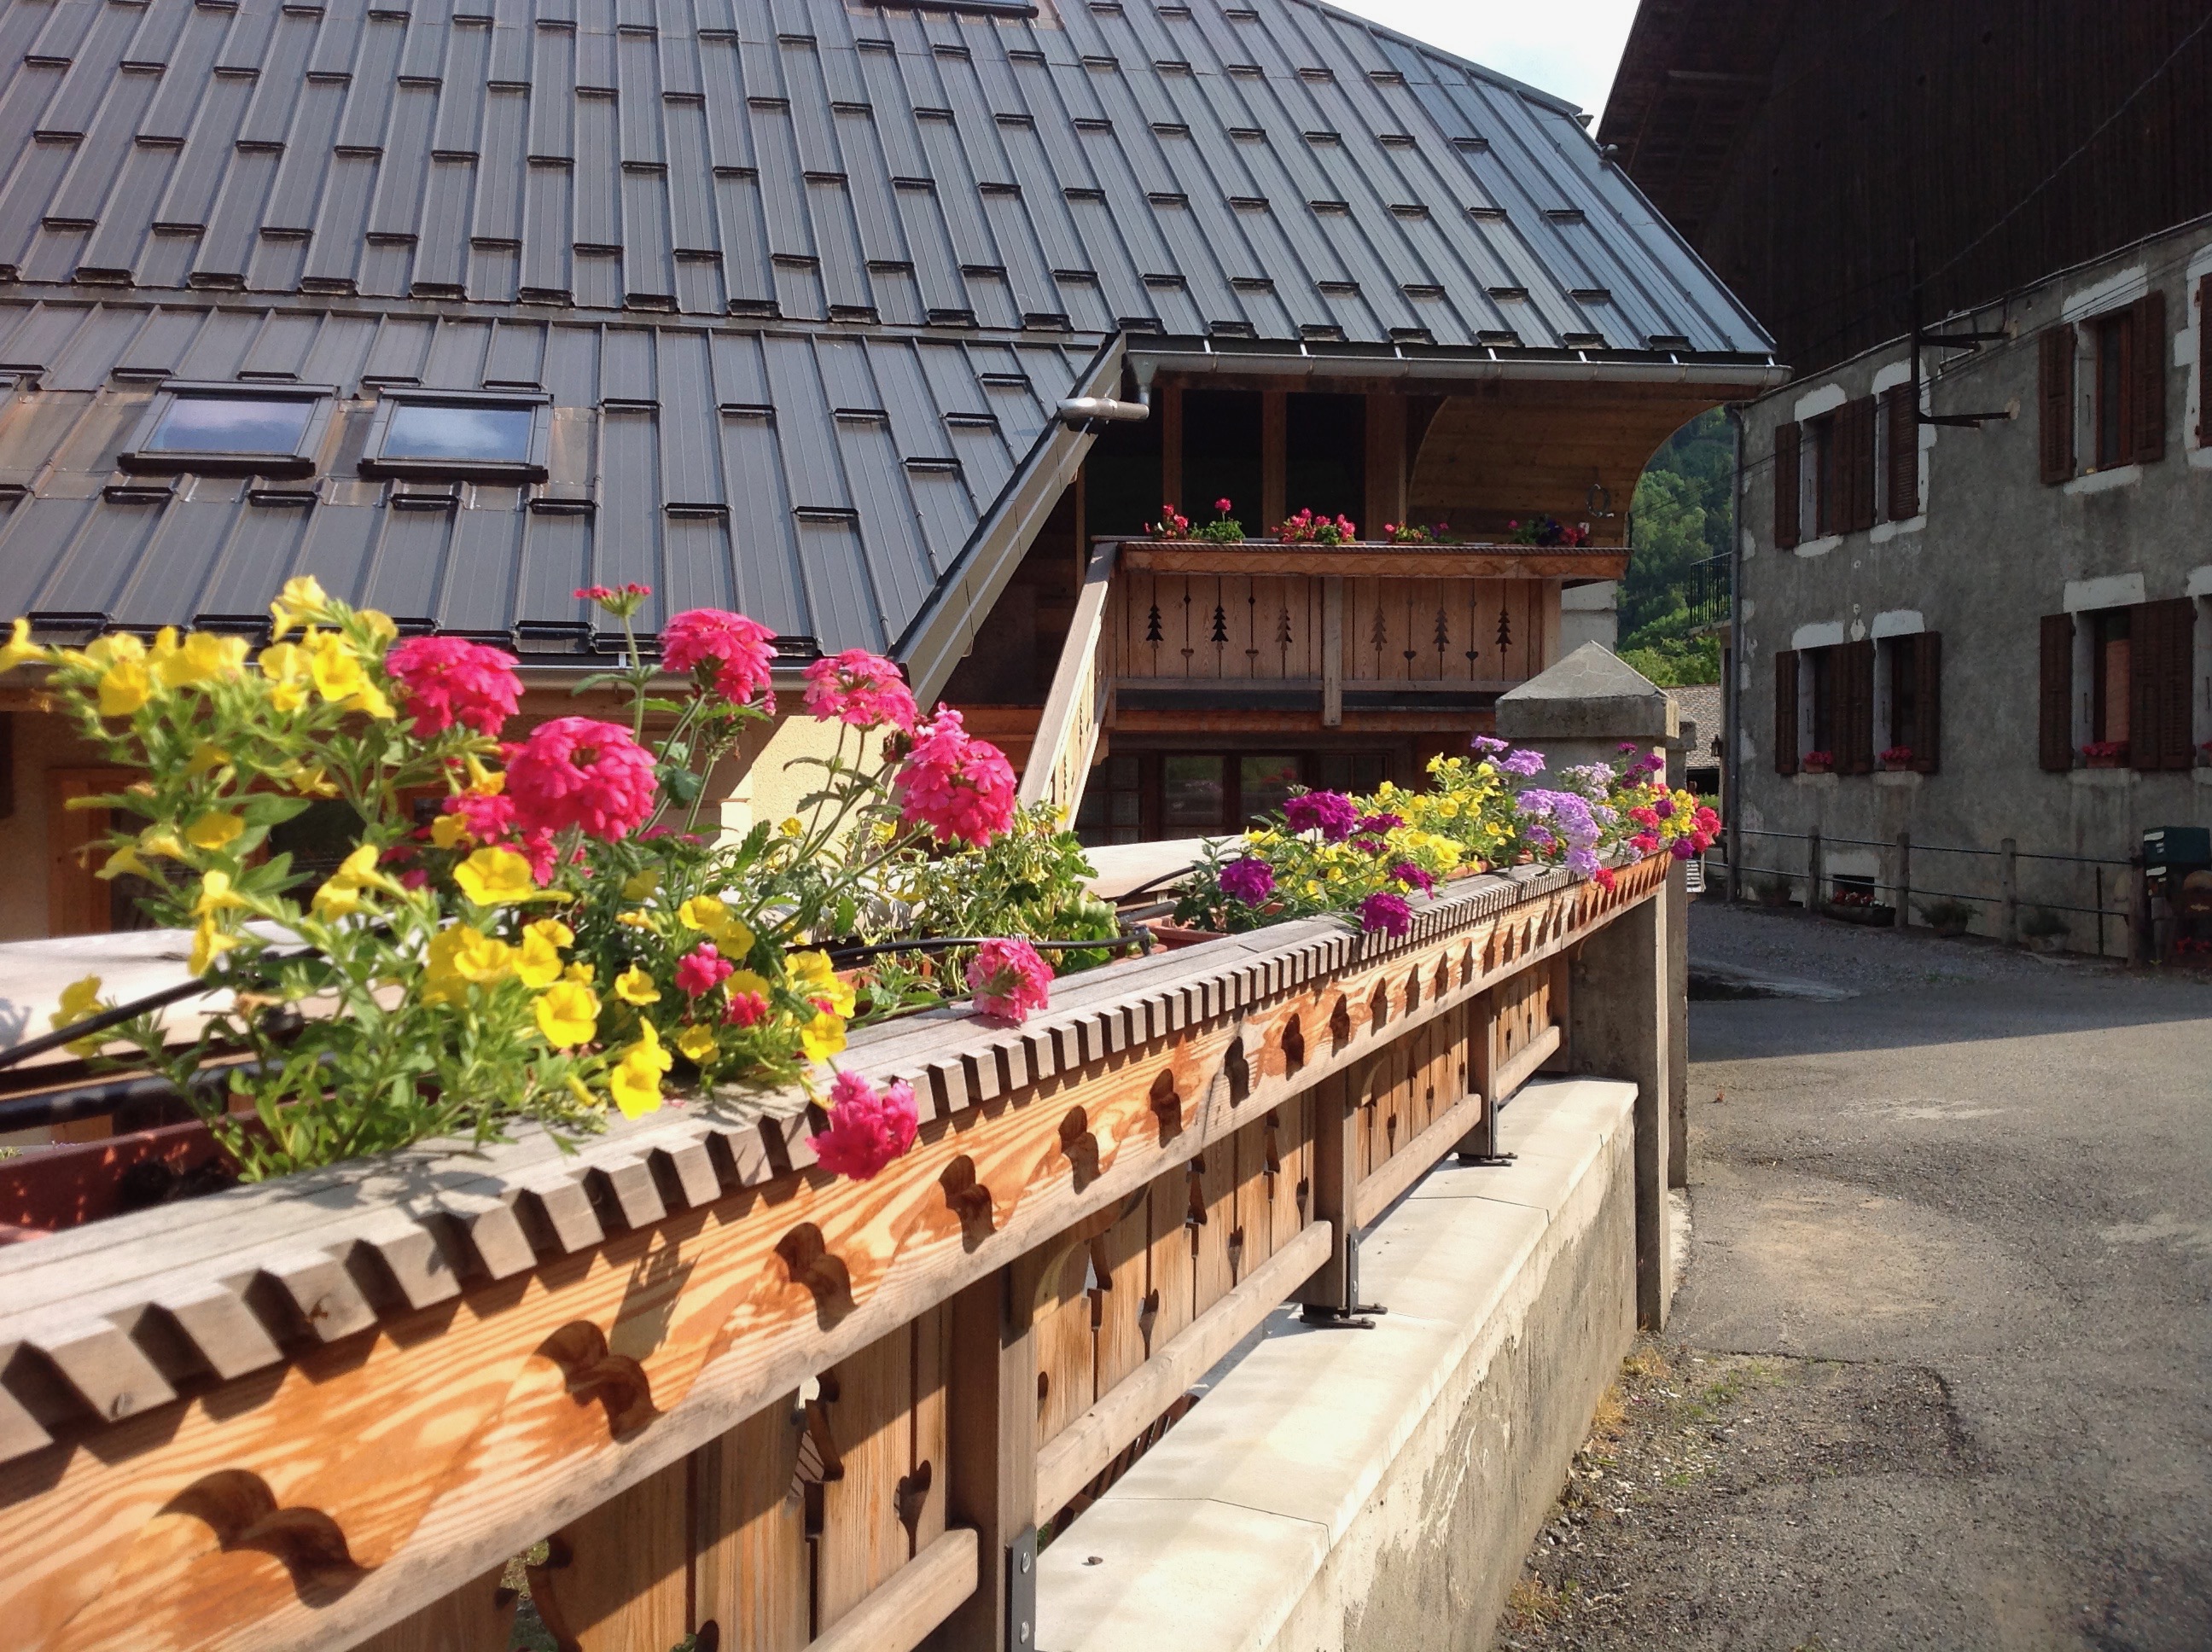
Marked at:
<point>579,971</point>
<point>208,944</point>
<point>697,1044</point>
<point>126,862</point>
<point>450,831</point>
<point>814,977</point>
<point>635,1081</point>
<point>744,981</point>
<point>215,830</point>
<point>634,921</point>
<point>164,844</point>
<point>341,892</point>
<point>711,914</point>
<point>20,650</point>
<point>217,895</point>
<point>634,985</point>
<point>335,667</point>
<point>302,599</point>
<point>539,961</point>
<point>639,886</point>
<point>822,1036</point>
<point>207,756</point>
<point>576,1089</point>
<point>370,702</point>
<point>568,1014</point>
<point>553,930</point>
<point>493,878</point>
<point>792,826</point>
<point>80,1000</point>
<point>204,657</point>
<point>378,623</point>
<point>458,956</point>
<point>124,687</point>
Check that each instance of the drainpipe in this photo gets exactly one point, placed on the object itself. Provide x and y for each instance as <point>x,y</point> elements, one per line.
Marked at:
<point>1732,678</point>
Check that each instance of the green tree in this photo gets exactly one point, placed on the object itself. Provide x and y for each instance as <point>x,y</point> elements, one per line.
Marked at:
<point>1680,516</point>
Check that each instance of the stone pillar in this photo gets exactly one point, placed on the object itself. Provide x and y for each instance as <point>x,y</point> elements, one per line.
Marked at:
<point>1628,1013</point>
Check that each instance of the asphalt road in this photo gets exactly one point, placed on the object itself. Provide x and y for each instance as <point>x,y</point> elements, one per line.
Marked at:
<point>1940,1374</point>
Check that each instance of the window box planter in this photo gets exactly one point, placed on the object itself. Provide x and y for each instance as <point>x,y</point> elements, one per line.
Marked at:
<point>1817,763</point>
<point>2105,754</point>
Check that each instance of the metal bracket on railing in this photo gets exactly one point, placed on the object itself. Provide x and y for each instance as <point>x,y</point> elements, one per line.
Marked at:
<point>1022,1591</point>
<point>1355,1314</point>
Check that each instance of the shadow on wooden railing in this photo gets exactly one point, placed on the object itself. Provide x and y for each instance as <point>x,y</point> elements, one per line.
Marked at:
<point>738,1398</point>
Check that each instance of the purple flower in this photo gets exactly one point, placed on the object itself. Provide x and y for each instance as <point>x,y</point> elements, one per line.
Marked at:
<point>1523,764</point>
<point>1664,808</point>
<point>1379,822</point>
<point>1249,880</point>
<point>1414,877</point>
<point>1629,747</point>
<point>1386,912</point>
<point>1487,745</point>
<point>1330,813</point>
<point>1652,762</point>
<point>1582,862</point>
<point>1541,840</point>
<point>1682,848</point>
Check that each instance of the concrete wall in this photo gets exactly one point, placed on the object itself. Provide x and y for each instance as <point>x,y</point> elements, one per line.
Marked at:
<point>1378,1489</point>
<point>1590,613</point>
<point>1993,549</point>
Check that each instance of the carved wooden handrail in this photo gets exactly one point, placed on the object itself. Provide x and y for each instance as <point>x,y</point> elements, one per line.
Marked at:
<point>294,1414</point>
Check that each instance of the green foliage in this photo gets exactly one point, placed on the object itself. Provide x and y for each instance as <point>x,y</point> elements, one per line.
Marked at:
<point>1033,881</point>
<point>1683,516</point>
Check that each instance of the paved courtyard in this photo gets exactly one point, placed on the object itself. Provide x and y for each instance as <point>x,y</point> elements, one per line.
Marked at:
<point>1940,1374</point>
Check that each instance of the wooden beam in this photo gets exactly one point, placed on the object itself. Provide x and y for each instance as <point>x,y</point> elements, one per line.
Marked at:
<point>1167,407</point>
<point>922,1594</point>
<point>1082,1450</point>
<point>1450,561</point>
<point>1274,458</point>
<point>1332,651</point>
<point>1386,461</point>
<point>1381,1189</point>
<point>991,1459</point>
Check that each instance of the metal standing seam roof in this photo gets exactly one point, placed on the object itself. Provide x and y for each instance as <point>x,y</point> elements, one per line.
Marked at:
<point>767,256</point>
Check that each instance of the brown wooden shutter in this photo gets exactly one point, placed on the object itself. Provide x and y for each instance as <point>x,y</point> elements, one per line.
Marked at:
<point>2054,395</point>
<point>2160,658</point>
<point>1904,455</point>
<point>1864,459</point>
<point>1785,710</point>
<point>1786,439</point>
<point>2151,351</point>
<point>1855,707</point>
<point>1928,691</point>
<point>2055,726</point>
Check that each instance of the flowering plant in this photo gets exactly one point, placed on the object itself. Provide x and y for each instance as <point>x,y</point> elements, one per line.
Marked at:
<point>2105,750</point>
<point>532,928</point>
<point>1225,529</point>
<point>1547,530</point>
<point>1896,757</point>
<point>1817,763</point>
<point>1172,525</point>
<point>1308,529</point>
<point>1408,533</point>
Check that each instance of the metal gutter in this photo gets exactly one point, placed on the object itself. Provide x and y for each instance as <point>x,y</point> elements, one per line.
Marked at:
<point>1149,362</point>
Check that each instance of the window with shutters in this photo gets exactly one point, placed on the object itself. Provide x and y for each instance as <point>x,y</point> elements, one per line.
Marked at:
<point>2122,380</point>
<point>1819,497</point>
<point>1897,466</point>
<point>1819,699</point>
<point>2114,418</point>
<point>2162,649</point>
<point>2111,681</point>
<point>1788,464</point>
<point>1908,714</point>
<point>1903,730</point>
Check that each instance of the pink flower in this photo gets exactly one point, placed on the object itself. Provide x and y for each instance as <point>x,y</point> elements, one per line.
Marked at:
<point>866,1130</point>
<point>1643,842</point>
<point>1386,912</point>
<point>1413,876</point>
<point>1221,505</point>
<point>700,970</point>
<point>1009,979</point>
<point>491,822</point>
<point>1250,880</point>
<point>735,649</point>
<point>1604,877</point>
<point>959,787</point>
<point>746,1010</point>
<point>861,688</point>
<point>578,771</point>
<point>447,680</point>
<point>1332,814</point>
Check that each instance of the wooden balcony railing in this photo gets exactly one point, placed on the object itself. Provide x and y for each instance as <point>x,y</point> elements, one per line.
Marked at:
<point>1080,701</point>
<point>735,1397</point>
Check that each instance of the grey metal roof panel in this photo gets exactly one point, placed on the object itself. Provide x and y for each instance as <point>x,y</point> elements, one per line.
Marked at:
<point>766,469</point>
<point>922,160</point>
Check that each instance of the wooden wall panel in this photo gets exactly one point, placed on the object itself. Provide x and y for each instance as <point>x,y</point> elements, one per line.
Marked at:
<point>1063,1341</point>
<point>863,1541</point>
<point>476,1618</point>
<point>1120,1334</point>
<point>1171,1274</point>
<point>1215,1270</point>
<point>618,1580</point>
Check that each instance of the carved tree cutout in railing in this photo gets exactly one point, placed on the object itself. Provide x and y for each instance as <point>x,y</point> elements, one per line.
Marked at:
<point>1195,1218</point>
<point>1293,1044</point>
<point>1167,1105</point>
<point>1378,1007</point>
<point>595,1375</point>
<point>824,1462</point>
<point>1339,1023</point>
<point>243,1513</point>
<point>1080,1146</point>
<point>820,1271</point>
<point>1413,990</point>
<point>968,1200</point>
<point>1234,1067</point>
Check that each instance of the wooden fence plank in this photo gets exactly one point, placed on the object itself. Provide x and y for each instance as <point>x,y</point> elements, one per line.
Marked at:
<point>1120,1347</point>
<point>1171,1274</point>
<point>478,1617</point>
<point>1215,1265</point>
<point>750,1568</point>
<point>863,1541</point>
<point>899,1616</point>
<point>617,1580</point>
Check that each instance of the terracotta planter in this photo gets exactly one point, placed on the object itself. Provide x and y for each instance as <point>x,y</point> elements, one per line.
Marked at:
<point>51,1188</point>
<point>1173,936</point>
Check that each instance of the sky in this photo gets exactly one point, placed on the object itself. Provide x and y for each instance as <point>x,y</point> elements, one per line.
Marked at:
<point>1566,47</point>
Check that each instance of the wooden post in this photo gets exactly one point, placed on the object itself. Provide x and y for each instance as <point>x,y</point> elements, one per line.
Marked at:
<point>2008,892</point>
<point>1903,917</point>
<point>1386,462</point>
<point>1274,444</point>
<point>1168,399</point>
<point>1675,988</point>
<point>1812,870</point>
<point>991,1395</point>
<point>1336,1186</point>
<point>1618,1017</point>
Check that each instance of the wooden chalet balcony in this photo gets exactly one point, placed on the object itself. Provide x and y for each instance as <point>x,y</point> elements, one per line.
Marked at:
<point>737,1397</point>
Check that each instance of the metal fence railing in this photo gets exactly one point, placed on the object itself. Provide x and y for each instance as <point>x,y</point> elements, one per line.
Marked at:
<point>2010,891</point>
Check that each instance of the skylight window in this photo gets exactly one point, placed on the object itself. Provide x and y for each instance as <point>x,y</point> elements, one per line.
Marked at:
<point>232,427</point>
<point>460,435</point>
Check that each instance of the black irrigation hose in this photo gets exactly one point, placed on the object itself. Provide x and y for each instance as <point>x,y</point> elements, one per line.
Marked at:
<point>103,1021</point>
<point>949,942</point>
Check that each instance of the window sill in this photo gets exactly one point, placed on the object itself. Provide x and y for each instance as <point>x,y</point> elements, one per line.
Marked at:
<point>1907,777</point>
<point>2097,481</point>
<point>1821,782</point>
<point>1883,532</point>
<point>2103,780</point>
<point>452,470</point>
<point>1818,547</point>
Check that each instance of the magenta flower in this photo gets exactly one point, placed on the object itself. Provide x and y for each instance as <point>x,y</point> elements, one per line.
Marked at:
<point>1386,912</point>
<point>579,772</point>
<point>961,787</point>
<point>702,969</point>
<point>447,680</point>
<point>868,1129</point>
<point>1250,880</point>
<point>731,651</point>
<point>746,1010</point>
<point>1643,843</point>
<point>1413,876</point>
<point>1683,849</point>
<point>861,688</point>
<point>1009,979</point>
<point>1380,822</point>
<point>1330,813</point>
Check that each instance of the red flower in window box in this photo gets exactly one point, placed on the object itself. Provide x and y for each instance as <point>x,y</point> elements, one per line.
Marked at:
<point>1897,757</point>
<point>1817,763</point>
<point>2105,754</point>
